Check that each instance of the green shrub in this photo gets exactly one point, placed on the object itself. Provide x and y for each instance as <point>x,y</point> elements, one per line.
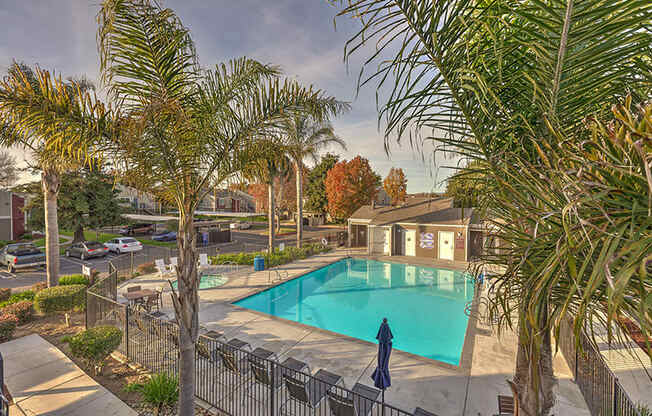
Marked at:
<point>37,287</point>
<point>5,293</point>
<point>18,297</point>
<point>21,310</point>
<point>8,323</point>
<point>146,268</point>
<point>61,299</point>
<point>160,390</point>
<point>73,279</point>
<point>95,344</point>
<point>276,258</point>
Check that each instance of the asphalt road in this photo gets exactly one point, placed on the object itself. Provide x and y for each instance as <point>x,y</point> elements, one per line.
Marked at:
<point>252,240</point>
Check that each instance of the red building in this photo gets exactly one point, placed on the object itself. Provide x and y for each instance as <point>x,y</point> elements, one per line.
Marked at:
<point>12,216</point>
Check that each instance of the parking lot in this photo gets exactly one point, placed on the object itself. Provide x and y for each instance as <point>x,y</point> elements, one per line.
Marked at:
<point>243,240</point>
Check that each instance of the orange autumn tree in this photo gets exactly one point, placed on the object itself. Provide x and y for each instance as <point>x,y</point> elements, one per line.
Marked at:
<point>350,185</point>
<point>395,184</point>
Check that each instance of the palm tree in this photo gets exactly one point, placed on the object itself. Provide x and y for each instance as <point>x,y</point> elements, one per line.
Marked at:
<point>511,85</point>
<point>184,130</point>
<point>306,138</point>
<point>57,122</point>
<point>269,163</point>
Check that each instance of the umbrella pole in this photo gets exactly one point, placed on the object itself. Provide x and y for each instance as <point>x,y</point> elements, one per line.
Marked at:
<point>383,412</point>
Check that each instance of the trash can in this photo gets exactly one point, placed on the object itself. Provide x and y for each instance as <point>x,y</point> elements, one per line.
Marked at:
<point>259,263</point>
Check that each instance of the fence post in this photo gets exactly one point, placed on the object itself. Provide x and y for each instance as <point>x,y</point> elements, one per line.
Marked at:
<point>132,263</point>
<point>272,389</point>
<point>127,331</point>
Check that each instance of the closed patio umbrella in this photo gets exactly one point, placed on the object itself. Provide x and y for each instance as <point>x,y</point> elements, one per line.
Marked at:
<point>380,375</point>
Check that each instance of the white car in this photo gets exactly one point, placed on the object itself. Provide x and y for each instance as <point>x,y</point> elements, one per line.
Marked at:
<point>124,245</point>
<point>242,225</point>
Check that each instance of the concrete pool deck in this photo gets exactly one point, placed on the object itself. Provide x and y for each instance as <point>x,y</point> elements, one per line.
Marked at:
<point>469,389</point>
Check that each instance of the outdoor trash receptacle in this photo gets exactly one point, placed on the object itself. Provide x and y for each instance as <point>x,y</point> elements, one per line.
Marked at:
<point>259,263</point>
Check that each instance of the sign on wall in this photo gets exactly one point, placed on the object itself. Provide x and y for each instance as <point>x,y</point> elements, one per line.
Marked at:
<point>459,240</point>
<point>427,240</point>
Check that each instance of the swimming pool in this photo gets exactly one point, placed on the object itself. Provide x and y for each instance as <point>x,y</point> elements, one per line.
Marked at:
<point>424,305</point>
<point>208,281</point>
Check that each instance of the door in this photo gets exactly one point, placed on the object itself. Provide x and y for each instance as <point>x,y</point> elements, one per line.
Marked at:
<point>410,242</point>
<point>388,236</point>
<point>446,247</point>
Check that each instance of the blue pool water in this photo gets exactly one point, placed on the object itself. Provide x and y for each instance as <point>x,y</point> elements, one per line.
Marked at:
<point>424,305</point>
<point>208,281</point>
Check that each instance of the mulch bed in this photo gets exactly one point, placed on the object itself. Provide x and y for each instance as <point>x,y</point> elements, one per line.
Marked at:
<point>635,333</point>
<point>115,375</point>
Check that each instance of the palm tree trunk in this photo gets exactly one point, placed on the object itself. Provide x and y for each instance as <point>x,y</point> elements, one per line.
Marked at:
<point>534,377</point>
<point>51,182</point>
<point>272,212</point>
<point>186,306</point>
<point>299,216</point>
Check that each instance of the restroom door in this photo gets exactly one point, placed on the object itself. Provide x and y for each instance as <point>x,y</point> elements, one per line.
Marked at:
<point>446,245</point>
<point>410,242</point>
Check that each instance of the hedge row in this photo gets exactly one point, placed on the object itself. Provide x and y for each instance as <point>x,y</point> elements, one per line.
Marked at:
<point>277,258</point>
<point>73,279</point>
<point>95,344</point>
<point>21,310</point>
<point>18,297</point>
<point>8,323</point>
<point>61,299</point>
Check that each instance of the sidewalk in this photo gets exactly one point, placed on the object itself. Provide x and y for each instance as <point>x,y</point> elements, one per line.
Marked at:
<point>43,381</point>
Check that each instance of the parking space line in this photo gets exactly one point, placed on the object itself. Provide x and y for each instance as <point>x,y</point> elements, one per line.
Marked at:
<point>74,261</point>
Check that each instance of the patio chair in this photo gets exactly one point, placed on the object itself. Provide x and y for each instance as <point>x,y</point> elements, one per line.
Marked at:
<point>263,376</point>
<point>309,394</point>
<point>133,289</point>
<point>151,302</point>
<point>174,262</point>
<point>234,372</point>
<point>420,412</point>
<point>508,405</point>
<point>161,268</point>
<point>359,404</point>
<point>203,260</point>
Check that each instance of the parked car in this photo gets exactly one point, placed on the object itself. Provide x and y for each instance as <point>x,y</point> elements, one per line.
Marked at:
<point>136,229</point>
<point>21,255</point>
<point>124,245</point>
<point>241,225</point>
<point>87,250</point>
<point>165,236</point>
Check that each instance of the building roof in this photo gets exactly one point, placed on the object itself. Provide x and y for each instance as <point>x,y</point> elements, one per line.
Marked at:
<point>417,211</point>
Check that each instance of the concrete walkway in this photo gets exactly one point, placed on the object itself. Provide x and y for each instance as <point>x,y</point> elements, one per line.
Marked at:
<point>43,381</point>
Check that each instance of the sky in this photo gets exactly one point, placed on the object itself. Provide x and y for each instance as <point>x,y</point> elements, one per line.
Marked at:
<point>298,35</point>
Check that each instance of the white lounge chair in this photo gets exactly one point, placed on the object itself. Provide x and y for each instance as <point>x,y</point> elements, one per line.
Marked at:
<point>160,266</point>
<point>203,260</point>
<point>174,262</point>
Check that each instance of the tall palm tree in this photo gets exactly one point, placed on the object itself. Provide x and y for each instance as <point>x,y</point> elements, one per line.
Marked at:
<point>184,130</point>
<point>305,139</point>
<point>511,84</point>
<point>57,123</point>
<point>269,163</point>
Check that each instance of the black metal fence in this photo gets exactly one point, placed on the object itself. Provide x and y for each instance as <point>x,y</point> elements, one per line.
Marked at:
<point>231,376</point>
<point>600,387</point>
<point>4,401</point>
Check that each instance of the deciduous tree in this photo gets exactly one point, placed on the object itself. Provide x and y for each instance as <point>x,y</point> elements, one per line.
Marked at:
<point>316,199</point>
<point>8,170</point>
<point>395,184</point>
<point>87,199</point>
<point>350,185</point>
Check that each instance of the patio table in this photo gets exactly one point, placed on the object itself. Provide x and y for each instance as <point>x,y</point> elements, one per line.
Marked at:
<point>138,295</point>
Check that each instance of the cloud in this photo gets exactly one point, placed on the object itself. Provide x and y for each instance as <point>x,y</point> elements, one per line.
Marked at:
<point>297,34</point>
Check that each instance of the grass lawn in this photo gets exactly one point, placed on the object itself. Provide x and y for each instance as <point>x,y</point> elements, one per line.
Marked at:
<point>41,241</point>
<point>284,230</point>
